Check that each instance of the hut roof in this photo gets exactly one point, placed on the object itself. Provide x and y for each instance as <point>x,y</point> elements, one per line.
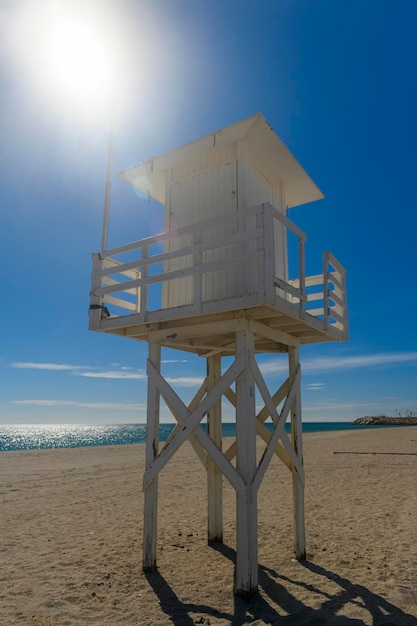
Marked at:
<point>150,176</point>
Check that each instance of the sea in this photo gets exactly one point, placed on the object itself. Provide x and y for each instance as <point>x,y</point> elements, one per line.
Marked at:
<point>40,436</point>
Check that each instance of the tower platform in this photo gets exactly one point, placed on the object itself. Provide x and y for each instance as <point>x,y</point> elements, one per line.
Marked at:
<point>132,296</point>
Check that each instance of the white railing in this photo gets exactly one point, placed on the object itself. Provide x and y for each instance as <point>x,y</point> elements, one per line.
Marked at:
<point>232,261</point>
<point>325,295</point>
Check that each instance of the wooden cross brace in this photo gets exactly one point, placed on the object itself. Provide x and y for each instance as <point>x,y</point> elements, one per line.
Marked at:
<point>247,476</point>
<point>189,425</point>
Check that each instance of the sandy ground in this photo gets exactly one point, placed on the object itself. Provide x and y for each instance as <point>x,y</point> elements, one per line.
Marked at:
<point>71,538</point>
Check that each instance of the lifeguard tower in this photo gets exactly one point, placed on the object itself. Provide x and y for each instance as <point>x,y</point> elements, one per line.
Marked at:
<point>225,278</point>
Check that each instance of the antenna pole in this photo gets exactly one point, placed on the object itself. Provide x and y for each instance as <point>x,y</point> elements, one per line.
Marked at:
<point>107,192</point>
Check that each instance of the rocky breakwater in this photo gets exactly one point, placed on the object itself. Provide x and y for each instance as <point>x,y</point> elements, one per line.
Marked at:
<point>382,420</point>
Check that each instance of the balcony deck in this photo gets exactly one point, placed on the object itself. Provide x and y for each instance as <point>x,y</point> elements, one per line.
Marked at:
<point>190,289</point>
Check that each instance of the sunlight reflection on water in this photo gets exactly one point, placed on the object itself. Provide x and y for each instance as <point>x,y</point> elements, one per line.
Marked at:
<point>40,436</point>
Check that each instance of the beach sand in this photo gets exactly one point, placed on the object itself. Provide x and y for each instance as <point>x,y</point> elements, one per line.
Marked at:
<point>71,538</point>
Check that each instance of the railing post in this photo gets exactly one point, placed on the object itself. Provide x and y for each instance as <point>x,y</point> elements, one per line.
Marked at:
<point>94,314</point>
<point>345,312</point>
<point>143,306</point>
<point>341,278</point>
<point>198,279</point>
<point>302,270</point>
<point>326,290</point>
<point>269,254</point>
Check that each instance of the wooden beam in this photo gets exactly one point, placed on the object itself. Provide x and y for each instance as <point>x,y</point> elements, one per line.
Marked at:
<point>246,574</point>
<point>152,445</point>
<point>280,451</point>
<point>119,302</point>
<point>198,247</point>
<point>262,416</point>
<point>205,329</point>
<point>296,436</point>
<point>212,352</point>
<point>269,450</point>
<point>162,277</point>
<point>172,234</point>
<point>111,281</point>
<point>270,404</point>
<point>191,424</point>
<point>277,398</point>
<point>202,455</point>
<point>273,334</point>
<point>214,475</point>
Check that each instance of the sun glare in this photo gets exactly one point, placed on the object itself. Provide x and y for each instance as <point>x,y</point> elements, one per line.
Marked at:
<point>70,50</point>
<point>78,62</point>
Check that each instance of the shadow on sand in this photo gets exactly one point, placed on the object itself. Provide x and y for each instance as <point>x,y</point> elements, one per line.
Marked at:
<point>294,612</point>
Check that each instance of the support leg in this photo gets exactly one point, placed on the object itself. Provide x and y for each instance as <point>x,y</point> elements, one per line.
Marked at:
<point>296,436</point>
<point>246,576</point>
<point>152,443</point>
<point>214,474</point>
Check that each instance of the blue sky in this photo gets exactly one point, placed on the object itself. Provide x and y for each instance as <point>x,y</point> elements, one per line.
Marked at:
<point>337,81</point>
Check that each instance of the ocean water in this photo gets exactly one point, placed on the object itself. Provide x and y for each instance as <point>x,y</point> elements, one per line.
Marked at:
<point>38,436</point>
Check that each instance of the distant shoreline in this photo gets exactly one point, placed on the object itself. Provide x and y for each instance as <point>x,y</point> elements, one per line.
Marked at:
<point>40,436</point>
<point>382,420</point>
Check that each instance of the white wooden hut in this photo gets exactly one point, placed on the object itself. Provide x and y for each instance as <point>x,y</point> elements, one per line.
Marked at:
<point>220,281</point>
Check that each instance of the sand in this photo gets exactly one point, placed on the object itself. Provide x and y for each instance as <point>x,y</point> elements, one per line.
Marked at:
<point>71,538</point>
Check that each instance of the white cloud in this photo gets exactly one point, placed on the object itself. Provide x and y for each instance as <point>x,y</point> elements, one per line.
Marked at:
<point>59,367</point>
<point>364,360</point>
<point>185,381</point>
<point>79,370</point>
<point>314,386</point>
<point>278,365</point>
<point>175,361</point>
<point>114,374</point>
<point>273,367</point>
<point>343,362</point>
<point>101,406</point>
